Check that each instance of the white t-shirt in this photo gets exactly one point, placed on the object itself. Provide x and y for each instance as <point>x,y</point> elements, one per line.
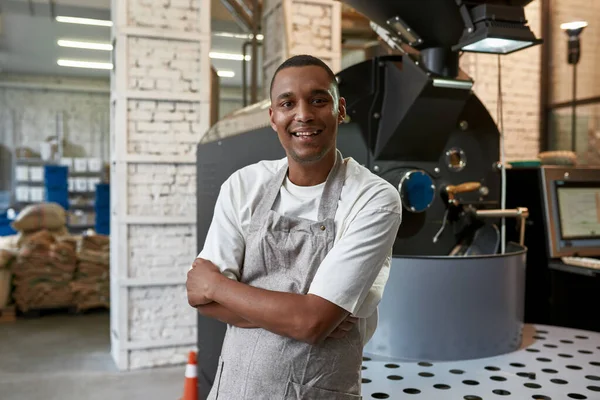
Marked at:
<point>354,272</point>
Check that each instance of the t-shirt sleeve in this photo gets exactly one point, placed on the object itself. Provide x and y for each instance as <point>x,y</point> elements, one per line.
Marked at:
<point>354,271</point>
<point>225,245</point>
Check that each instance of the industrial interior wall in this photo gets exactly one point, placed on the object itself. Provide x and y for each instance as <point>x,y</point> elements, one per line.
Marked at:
<point>293,27</point>
<point>588,79</point>
<point>160,111</point>
<point>32,106</point>
<point>520,73</point>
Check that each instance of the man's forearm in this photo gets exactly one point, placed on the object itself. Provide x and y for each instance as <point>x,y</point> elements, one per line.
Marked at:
<point>221,313</point>
<point>287,314</point>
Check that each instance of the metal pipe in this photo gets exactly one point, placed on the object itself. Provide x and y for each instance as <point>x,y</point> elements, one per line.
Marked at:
<point>241,17</point>
<point>244,73</point>
<point>520,212</point>
<point>255,29</point>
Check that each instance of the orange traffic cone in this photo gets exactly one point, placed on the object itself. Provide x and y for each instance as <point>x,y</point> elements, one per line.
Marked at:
<point>190,385</point>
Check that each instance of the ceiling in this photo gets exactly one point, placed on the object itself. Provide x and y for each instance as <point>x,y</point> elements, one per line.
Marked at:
<point>29,35</point>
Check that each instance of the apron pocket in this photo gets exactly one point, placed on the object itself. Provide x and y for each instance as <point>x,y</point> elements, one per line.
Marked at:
<point>295,391</point>
<point>217,383</point>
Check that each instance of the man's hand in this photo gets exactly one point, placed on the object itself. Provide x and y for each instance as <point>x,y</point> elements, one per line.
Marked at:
<point>201,280</point>
<point>342,330</point>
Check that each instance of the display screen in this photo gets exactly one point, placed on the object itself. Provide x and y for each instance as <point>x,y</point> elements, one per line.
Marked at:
<point>579,210</point>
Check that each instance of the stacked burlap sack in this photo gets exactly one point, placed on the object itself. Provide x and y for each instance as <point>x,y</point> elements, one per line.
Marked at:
<point>7,257</point>
<point>46,259</point>
<point>91,283</point>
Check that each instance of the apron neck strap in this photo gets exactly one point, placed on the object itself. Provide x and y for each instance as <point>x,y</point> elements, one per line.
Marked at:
<point>329,199</point>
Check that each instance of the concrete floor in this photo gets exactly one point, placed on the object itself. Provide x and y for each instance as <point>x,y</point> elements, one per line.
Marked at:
<point>68,357</point>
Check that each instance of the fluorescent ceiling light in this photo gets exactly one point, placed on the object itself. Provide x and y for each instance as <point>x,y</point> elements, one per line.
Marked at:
<point>226,74</point>
<point>228,56</point>
<point>85,45</point>
<point>567,26</point>
<point>83,21</point>
<point>237,35</point>
<point>84,64</point>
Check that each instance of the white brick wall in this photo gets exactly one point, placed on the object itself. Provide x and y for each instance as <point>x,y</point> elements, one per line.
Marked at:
<point>520,90</point>
<point>164,65</point>
<point>159,357</point>
<point>169,305</point>
<point>175,15</point>
<point>30,114</point>
<point>157,189</point>
<point>311,27</point>
<point>161,251</point>
<point>163,128</point>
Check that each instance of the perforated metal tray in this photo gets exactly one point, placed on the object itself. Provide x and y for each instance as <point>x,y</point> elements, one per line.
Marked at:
<point>552,363</point>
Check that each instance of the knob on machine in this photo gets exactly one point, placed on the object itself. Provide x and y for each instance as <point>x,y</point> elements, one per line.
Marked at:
<point>417,191</point>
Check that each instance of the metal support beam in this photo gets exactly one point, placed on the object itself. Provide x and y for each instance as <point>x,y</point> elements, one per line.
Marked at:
<point>256,14</point>
<point>239,14</point>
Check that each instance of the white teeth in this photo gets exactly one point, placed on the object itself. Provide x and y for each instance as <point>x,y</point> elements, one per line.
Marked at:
<point>305,133</point>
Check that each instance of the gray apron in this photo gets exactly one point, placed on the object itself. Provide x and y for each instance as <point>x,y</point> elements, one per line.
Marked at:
<point>283,254</point>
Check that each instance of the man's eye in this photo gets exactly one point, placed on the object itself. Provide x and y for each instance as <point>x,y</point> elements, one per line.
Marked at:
<point>319,101</point>
<point>286,104</point>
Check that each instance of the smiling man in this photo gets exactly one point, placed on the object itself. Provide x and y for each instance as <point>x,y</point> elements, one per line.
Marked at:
<point>298,254</point>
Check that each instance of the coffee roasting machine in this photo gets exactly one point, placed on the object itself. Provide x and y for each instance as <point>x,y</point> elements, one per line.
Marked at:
<point>456,288</point>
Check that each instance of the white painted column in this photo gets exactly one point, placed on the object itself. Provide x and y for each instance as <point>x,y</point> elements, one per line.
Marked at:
<point>160,106</point>
<point>293,27</point>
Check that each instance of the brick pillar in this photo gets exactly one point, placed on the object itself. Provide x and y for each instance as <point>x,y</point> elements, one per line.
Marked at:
<point>160,105</point>
<point>293,27</point>
<point>521,72</point>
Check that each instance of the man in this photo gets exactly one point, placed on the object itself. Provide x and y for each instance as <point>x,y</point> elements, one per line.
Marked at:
<point>297,254</point>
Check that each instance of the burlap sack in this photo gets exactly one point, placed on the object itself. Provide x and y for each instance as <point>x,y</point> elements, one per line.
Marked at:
<point>40,216</point>
<point>6,257</point>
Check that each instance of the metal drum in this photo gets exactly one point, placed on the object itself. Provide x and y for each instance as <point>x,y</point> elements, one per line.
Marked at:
<point>443,308</point>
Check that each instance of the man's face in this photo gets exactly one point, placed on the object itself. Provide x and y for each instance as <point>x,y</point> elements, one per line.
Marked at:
<point>305,112</point>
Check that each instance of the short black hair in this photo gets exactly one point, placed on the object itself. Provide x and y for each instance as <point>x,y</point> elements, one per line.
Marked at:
<point>305,60</point>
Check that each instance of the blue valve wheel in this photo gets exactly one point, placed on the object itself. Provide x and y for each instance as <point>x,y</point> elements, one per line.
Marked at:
<point>417,191</point>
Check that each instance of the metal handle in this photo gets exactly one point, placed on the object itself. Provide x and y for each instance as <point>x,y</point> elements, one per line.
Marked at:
<point>521,213</point>
<point>466,187</point>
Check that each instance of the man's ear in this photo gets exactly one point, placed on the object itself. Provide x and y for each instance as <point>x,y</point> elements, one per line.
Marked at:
<point>341,110</point>
<point>273,126</point>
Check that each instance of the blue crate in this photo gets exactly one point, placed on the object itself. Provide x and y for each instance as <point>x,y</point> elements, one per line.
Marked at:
<point>58,195</point>
<point>6,229</point>
<point>103,218</point>
<point>102,229</point>
<point>102,196</point>
<point>56,176</point>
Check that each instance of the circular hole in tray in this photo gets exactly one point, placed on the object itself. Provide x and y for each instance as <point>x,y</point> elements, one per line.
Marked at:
<point>366,380</point>
<point>593,377</point>
<point>550,346</point>
<point>538,337</point>
<point>585,352</point>
<point>492,368</point>
<point>594,388</point>
<point>392,366</point>
<point>563,355</point>
<point>541,331</point>
<point>517,365</point>
<point>532,350</point>
<point>524,374</point>
<point>395,378</point>
<point>441,386</point>
<point>566,341</point>
<point>411,391</point>
<point>576,396</point>
<point>363,367</point>
<point>575,367</point>
<point>472,397</point>
<point>501,392</point>
<point>457,371</point>
<point>581,337</point>
<point>541,397</point>
<point>550,371</point>
<point>498,378</point>
<point>471,382</point>
<point>595,363</point>
<point>425,364</point>
<point>366,359</point>
<point>426,374</point>
<point>380,396</point>
<point>559,381</point>
<point>532,385</point>
<point>543,359</point>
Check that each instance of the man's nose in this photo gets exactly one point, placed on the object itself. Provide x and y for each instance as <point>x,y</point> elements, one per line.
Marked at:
<point>304,112</point>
